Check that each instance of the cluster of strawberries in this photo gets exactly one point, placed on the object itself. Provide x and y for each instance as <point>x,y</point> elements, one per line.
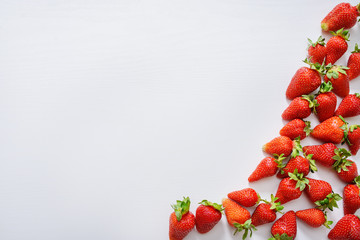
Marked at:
<point>331,80</point>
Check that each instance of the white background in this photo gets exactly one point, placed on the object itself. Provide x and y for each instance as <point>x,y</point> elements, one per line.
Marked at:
<point>113,110</point>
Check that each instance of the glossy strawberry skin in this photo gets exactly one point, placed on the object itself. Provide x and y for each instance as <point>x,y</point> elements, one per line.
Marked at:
<point>293,129</point>
<point>329,131</point>
<point>263,214</point>
<point>279,145</point>
<point>343,15</point>
<point>354,139</point>
<point>234,212</point>
<point>349,175</point>
<point>287,191</point>
<point>285,224</point>
<point>322,154</point>
<point>351,199</point>
<point>347,228</point>
<point>206,218</point>
<point>180,229</point>
<point>246,197</point>
<point>354,65</point>
<point>327,105</point>
<point>349,106</point>
<point>298,108</point>
<point>340,85</point>
<point>312,216</point>
<point>305,81</point>
<point>336,47</point>
<point>266,168</point>
<point>317,54</point>
<point>300,163</point>
<point>317,190</point>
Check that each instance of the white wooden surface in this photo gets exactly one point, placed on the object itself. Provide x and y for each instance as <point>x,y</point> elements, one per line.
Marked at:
<point>110,110</point>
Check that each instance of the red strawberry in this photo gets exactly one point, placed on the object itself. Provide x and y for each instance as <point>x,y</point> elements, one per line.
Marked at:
<point>246,197</point>
<point>238,217</point>
<point>291,188</point>
<point>208,214</point>
<point>266,168</point>
<point>266,212</point>
<point>296,128</point>
<point>353,139</point>
<point>339,80</point>
<point>313,217</point>
<point>336,46</point>
<point>349,106</point>
<point>320,193</point>
<point>345,168</point>
<point>305,80</point>
<point>322,154</point>
<point>354,63</point>
<point>326,101</point>
<point>317,50</point>
<point>300,107</point>
<point>351,197</point>
<point>279,145</point>
<point>343,15</point>
<point>284,227</point>
<point>347,228</point>
<point>182,221</point>
<point>330,130</point>
<point>303,165</point>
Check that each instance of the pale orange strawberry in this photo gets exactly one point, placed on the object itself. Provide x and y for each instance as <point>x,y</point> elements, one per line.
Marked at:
<point>266,168</point>
<point>313,217</point>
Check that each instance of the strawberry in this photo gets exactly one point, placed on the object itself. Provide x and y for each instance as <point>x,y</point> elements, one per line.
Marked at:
<point>291,188</point>
<point>351,197</point>
<point>246,197</point>
<point>343,15</point>
<point>238,217</point>
<point>267,167</point>
<point>339,79</point>
<point>353,139</point>
<point>320,192</point>
<point>349,106</point>
<point>326,101</point>
<point>303,165</point>
<point>296,128</point>
<point>313,217</point>
<point>208,214</point>
<point>354,63</point>
<point>266,212</point>
<point>345,168</point>
<point>279,145</point>
<point>285,227</point>
<point>347,228</point>
<point>300,107</point>
<point>336,46</point>
<point>322,154</point>
<point>330,130</point>
<point>305,80</point>
<point>317,50</point>
<point>182,221</point>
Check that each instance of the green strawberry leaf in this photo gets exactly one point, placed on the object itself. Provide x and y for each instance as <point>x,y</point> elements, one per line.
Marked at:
<point>356,47</point>
<point>329,202</point>
<point>283,236</point>
<point>181,207</point>
<point>297,148</point>
<point>216,206</point>
<point>307,128</point>
<point>247,226</point>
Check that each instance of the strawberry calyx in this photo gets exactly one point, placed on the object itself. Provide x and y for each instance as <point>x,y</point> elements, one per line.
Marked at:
<point>283,236</point>
<point>320,41</point>
<point>335,70</point>
<point>273,204</point>
<point>357,95</point>
<point>279,160</point>
<point>312,102</point>
<point>329,202</point>
<point>312,163</point>
<point>181,208</point>
<point>356,50</point>
<point>341,161</point>
<point>247,227</point>
<point>327,223</point>
<point>297,148</point>
<point>342,33</point>
<point>320,68</point>
<point>216,206</point>
<point>345,128</point>
<point>307,128</point>
<point>301,181</point>
<point>325,87</point>
<point>357,182</point>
